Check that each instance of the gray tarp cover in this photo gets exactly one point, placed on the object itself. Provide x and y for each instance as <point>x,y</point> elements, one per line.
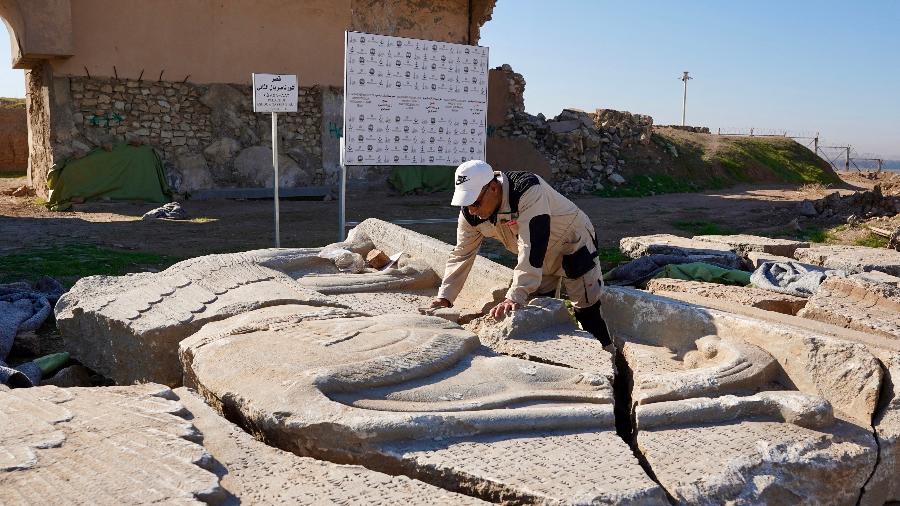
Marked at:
<point>23,307</point>
<point>792,278</point>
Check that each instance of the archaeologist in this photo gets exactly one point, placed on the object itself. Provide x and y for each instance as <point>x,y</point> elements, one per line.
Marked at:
<point>552,238</point>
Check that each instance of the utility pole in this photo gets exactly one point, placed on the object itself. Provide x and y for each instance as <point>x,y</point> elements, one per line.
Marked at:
<point>684,78</point>
<point>847,161</point>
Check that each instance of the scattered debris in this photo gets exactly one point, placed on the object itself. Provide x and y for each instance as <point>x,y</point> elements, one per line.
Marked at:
<point>170,211</point>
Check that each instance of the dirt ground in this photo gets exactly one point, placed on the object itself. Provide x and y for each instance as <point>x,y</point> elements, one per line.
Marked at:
<point>234,225</point>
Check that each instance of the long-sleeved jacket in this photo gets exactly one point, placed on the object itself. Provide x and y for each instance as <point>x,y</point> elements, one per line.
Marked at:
<point>533,221</point>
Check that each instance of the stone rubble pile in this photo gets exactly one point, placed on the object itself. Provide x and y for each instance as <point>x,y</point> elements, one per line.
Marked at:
<point>852,208</point>
<point>584,149</point>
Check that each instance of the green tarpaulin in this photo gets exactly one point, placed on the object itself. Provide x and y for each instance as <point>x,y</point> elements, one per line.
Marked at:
<point>125,173</point>
<point>699,271</point>
<point>429,178</point>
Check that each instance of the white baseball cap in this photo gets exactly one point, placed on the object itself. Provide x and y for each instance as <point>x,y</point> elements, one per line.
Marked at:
<point>471,177</point>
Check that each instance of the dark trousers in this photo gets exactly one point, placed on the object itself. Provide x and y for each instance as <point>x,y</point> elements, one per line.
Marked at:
<point>591,320</point>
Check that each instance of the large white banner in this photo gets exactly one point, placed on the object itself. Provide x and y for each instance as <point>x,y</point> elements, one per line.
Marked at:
<point>413,102</point>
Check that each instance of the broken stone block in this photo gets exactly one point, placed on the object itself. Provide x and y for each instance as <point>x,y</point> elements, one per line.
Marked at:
<point>743,244</point>
<point>114,445</point>
<point>884,486</point>
<point>869,302</point>
<point>757,258</point>
<point>487,282</point>
<point>544,331</point>
<point>755,297</point>
<point>852,259</point>
<point>418,395</point>
<point>409,278</point>
<point>252,472</point>
<point>728,401</point>
<point>561,127</point>
<point>755,461</point>
<point>128,328</point>
<point>667,244</point>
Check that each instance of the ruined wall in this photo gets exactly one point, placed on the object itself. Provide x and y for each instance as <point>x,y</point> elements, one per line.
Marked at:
<point>175,75</point>
<point>13,139</point>
<point>207,136</point>
<point>581,148</point>
<point>209,40</point>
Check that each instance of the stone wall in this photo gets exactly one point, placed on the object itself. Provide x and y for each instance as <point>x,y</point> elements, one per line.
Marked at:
<point>582,148</point>
<point>13,140</point>
<point>207,135</point>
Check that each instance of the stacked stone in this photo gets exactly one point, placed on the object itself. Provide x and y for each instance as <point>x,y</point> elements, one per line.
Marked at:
<point>207,135</point>
<point>583,148</point>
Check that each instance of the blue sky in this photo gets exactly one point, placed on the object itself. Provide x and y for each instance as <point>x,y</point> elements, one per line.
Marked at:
<point>804,66</point>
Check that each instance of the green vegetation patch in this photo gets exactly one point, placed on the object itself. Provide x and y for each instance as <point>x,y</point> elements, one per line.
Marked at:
<point>788,160</point>
<point>702,228</point>
<point>644,186</point>
<point>611,256</point>
<point>872,241</point>
<point>12,103</point>
<point>72,262</point>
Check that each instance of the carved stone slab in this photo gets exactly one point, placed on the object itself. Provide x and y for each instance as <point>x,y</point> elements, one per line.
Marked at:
<point>544,331</point>
<point>252,472</point>
<point>128,328</point>
<point>352,389</point>
<point>115,445</point>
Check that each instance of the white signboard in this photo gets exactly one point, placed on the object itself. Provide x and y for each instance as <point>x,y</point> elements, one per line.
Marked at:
<point>274,93</point>
<point>413,102</point>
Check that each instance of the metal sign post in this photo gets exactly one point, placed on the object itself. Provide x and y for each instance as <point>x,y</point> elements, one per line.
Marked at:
<point>342,198</point>
<point>275,184</point>
<point>275,93</point>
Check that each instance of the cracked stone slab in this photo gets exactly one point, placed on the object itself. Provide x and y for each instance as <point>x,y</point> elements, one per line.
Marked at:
<point>884,486</point>
<point>852,259</point>
<point>539,467</point>
<point>869,302</point>
<point>252,472</point>
<point>128,327</point>
<point>328,383</point>
<point>113,445</point>
<point>843,372</point>
<point>760,462</point>
<point>668,244</point>
<point>750,296</point>
<point>543,331</point>
<point>742,244</point>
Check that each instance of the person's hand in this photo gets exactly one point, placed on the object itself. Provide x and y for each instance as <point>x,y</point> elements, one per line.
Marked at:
<point>502,309</point>
<point>435,304</point>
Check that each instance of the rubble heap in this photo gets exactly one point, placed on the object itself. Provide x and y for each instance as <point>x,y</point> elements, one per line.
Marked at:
<point>582,148</point>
